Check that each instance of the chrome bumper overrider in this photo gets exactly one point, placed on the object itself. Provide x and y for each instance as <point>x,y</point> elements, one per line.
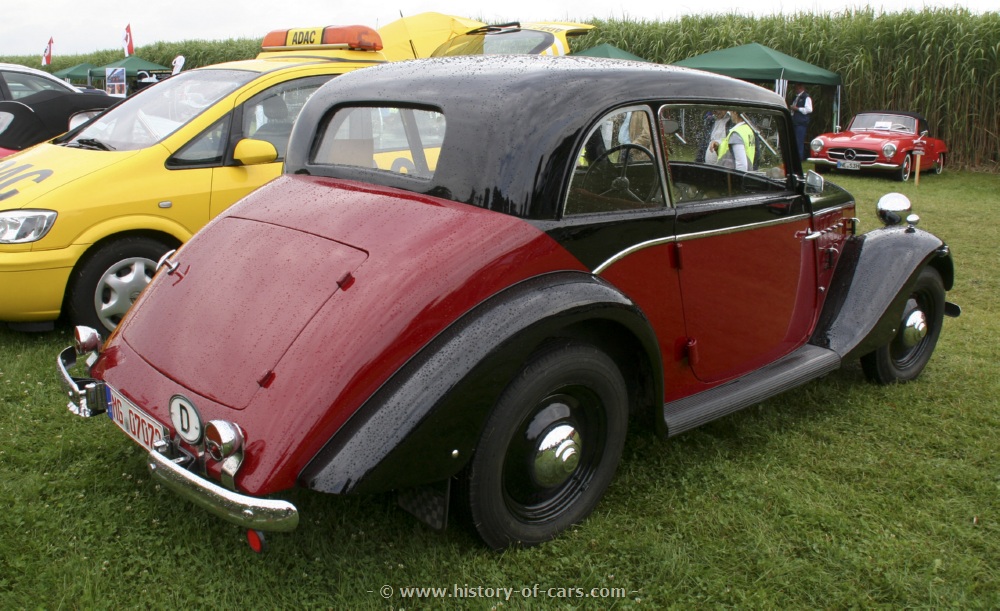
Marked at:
<point>88,397</point>
<point>246,511</point>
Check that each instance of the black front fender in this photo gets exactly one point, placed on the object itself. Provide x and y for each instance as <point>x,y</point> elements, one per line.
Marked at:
<point>870,287</point>
<point>423,424</point>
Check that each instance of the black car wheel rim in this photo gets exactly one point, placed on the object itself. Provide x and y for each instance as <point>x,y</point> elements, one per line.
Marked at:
<point>910,342</point>
<point>554,455</point>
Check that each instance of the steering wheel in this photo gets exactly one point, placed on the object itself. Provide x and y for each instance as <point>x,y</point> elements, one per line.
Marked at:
<point>621,184</point>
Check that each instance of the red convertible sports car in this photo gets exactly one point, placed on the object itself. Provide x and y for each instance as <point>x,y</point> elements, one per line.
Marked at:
<point>886,141</point>
<point>477,272</point>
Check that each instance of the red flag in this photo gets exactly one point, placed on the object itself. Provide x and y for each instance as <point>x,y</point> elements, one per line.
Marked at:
<point>127,41</point>
<point>47,54</point>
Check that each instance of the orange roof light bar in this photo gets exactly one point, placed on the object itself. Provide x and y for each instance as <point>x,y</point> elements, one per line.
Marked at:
<point>357,37</point>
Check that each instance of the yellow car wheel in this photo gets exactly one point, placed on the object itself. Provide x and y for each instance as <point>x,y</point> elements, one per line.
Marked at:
<point>109,281</point>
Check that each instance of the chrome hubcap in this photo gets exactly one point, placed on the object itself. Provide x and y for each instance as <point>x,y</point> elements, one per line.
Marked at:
<point>914,328</point>
<point>557,455</point>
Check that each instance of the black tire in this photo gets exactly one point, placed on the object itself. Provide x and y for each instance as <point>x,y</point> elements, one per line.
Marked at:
<point>821,168</point>
<point>939,164</point>
<point>104,285</point>
<point>549,449</point>
<point>903,173</point>
<point>903,358</point>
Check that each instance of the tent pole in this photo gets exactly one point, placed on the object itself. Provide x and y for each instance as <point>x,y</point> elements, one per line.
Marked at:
<point>836,111</point>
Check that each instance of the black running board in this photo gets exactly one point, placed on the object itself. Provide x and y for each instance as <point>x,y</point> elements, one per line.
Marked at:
<point>806,363</point>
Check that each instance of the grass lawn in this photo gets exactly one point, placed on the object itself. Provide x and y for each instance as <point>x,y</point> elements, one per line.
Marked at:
<point>835,495</point>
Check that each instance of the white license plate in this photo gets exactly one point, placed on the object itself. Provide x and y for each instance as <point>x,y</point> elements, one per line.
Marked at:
<point>848,165</point>
<point>138,424</point>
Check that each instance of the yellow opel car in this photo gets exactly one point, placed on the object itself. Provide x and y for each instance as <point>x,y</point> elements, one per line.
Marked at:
<point>85,218</point>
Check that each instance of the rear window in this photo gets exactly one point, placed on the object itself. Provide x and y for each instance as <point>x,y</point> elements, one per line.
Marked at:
<point>503,42</point>
<point>389,139</point>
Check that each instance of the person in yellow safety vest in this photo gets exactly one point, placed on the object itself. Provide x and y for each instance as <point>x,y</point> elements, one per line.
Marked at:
<point>740,141</point>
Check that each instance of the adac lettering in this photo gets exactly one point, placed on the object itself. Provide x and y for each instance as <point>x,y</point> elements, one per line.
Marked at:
<point>11,174</point>
<point>304,38</point>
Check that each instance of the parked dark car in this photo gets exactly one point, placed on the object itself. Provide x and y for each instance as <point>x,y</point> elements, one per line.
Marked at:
<point>473,275</point>
<point>44,115</point>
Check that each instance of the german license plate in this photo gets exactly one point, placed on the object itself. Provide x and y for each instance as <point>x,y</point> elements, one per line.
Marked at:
<point>848,165</point>
<point>136,423</point>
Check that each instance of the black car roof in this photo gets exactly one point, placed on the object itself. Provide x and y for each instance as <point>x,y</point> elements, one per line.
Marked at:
<point>514,122</point>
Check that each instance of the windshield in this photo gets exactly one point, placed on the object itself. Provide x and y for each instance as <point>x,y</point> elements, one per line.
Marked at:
<point>503,42</point>
<point>158,111</point>
<point>884,122</point>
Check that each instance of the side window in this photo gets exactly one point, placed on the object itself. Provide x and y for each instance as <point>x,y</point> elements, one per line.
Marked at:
<point>391,139</point>
<point>207,149</point>
<point>617,169</point>
<point>269,115</point>
<point>22,85</point>
<point>715,152</point>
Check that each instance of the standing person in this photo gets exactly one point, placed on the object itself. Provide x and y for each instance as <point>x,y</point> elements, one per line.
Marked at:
<point>801,107</point>
<point>718,124</point>
<point>739,148</point>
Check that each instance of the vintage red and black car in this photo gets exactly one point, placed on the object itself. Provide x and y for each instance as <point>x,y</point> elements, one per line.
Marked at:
<point>881,141</point>
<point>476,271</point>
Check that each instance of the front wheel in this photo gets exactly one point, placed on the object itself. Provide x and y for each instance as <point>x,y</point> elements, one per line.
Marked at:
<point>550,447</point>
<point>104,287</point>
<point>906,355</point>
<point>903,173</point>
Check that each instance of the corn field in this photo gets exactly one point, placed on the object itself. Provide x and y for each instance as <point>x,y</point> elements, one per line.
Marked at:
<point>942,63</point>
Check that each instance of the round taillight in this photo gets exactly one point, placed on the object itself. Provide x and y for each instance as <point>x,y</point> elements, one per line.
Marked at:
<point>222,439</point>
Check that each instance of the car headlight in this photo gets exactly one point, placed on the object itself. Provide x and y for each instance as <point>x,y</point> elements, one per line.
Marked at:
<point>888,149</point>
<point>816,145</point>
<point>21,226</point>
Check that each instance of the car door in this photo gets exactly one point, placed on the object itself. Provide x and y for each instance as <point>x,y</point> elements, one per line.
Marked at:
<point>267,115</point>
<point>747,273</point>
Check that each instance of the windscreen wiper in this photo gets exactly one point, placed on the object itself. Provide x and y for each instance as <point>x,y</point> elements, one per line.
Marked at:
<point>91,143</point>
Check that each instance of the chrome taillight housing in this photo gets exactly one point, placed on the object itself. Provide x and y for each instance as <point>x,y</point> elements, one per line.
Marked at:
<point>222,439</point>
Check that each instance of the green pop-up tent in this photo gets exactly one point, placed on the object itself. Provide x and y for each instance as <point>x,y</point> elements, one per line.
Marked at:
<point>606,50</point>
<point>79,72</point>
<point>755,62</point>
<point>132,65</point>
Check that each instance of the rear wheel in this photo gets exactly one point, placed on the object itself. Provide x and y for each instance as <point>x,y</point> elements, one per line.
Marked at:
<point>110,280</point>
<point>549,448</point>
<point>906,355</point>
<point>939,165</point>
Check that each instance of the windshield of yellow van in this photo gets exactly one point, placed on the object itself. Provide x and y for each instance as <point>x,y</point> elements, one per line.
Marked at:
<point>158,111</point>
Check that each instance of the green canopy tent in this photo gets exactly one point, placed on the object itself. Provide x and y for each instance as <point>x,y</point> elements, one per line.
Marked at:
<point>79,72</point>
<point>132,65</point>
<point>611,51</point>
<point>755,62</point>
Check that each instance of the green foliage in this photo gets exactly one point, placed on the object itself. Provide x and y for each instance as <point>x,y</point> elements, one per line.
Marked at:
<point>836,495</point>
<point>943,63</point>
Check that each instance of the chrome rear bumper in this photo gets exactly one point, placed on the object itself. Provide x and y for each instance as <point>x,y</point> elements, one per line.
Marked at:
<point>246,511</point>
<point>89,397</point>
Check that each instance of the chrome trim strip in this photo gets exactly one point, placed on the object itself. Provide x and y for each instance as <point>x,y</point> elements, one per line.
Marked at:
<point>739,228</point>
<point>87,396</point>
<point>631,249</point>
<point>247,511</point>
<point>692,236</point>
